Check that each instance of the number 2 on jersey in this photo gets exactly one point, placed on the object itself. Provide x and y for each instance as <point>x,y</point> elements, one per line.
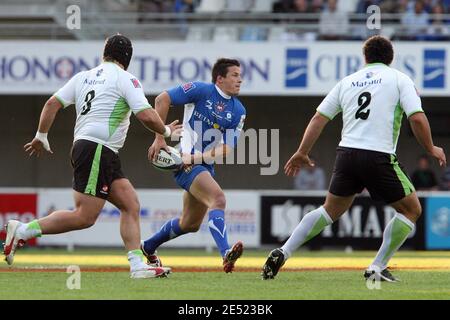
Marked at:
<point>87,107</point>
<point>363,102</point>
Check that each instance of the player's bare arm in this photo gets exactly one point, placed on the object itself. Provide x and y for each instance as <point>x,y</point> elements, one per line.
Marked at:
<point>40,142</point>
<point>301,157</point>
<point>162,105</point>
<point>422,132</point>
<point>151,120</point>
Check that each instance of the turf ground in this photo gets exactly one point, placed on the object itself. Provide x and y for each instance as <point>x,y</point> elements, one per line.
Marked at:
<point>41,274</point>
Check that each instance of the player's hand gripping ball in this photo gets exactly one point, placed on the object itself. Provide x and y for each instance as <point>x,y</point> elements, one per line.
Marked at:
<point>166,161</point>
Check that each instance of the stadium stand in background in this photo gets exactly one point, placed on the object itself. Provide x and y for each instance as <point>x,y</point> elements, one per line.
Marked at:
<point>234,20</point>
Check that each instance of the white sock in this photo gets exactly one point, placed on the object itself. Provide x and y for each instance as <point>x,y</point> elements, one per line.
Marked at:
<point>394,236</point>
<point>136,259</point>
<point>310,226</point>
<point>29,230</point>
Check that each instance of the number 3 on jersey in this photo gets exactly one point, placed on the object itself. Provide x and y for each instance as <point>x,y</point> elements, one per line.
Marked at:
<point>363,102</point>
<point>89,96</point>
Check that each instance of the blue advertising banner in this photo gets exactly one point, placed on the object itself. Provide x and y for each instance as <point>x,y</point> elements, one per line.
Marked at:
<point>437,222</point>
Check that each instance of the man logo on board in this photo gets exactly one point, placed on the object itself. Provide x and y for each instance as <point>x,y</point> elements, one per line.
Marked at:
<point>434,68</point>
<point>296,68</point>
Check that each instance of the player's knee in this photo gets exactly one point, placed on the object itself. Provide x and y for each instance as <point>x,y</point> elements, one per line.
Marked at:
<point>412,212</point>
<point>133,208</point>
<point>219,201</point>
<point>416,211</point>
<point>335,212</point>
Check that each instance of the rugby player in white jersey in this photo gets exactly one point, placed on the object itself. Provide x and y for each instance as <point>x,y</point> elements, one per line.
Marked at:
<point>372,102</point>
<point>104,98</point>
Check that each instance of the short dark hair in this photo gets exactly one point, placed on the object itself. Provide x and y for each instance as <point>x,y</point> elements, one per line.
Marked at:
<point>118,48</point>
<point>221,66</point>
<point>378,49</point>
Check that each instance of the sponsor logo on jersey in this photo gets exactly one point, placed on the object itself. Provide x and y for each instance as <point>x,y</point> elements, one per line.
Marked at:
<point>136,83</point>
<point>366,83</point>
<point>188,87</point>
<point>220,106</point>
<point>296,73</point>
<point>434,68</point>
<point>99,72</point>
<point>206,120</point>
<point>94,82</point>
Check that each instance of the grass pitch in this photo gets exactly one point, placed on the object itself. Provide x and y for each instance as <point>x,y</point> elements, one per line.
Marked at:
<point>41,274</point>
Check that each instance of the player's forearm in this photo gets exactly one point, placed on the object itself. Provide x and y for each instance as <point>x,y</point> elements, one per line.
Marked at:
<point>152,121</point>
<point>48,114</point>
<point>312,133</point>
<point>162,105</point>
<point>422,131</point>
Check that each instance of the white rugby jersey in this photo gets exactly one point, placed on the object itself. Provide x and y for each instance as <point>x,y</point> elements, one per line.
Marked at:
<point>372,102</point>
<point>104,98</point>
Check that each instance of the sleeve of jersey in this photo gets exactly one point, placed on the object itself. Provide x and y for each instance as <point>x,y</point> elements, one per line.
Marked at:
<point>66,94</point>
<point>409,97</point>
<point>186,93</point>
<point>232,134</point>
<point>331,106</point>
<point>133,93</point>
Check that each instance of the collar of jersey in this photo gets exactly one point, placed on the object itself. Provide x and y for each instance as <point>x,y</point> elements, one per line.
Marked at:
<point>375,64</point>
<point>109,62</point>
<point>223,94</point>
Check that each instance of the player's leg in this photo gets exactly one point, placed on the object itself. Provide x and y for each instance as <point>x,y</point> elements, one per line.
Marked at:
<point>195,204</point>
<point>343,187</point>
<point>206,190</point>
<point>315,221</point>
<point>192,214</point>
<point>393,186</point>
<point>310,226</point>
<point>395,234</point>
<point>190,221</point>
<point>124,197</point>
<point>87,209</point>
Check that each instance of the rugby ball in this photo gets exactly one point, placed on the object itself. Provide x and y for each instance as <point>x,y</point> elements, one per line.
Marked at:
<point>166,161</point>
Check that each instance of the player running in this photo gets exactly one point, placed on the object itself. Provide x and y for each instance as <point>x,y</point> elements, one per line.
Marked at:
<point>104,98</point>
<point>372,102</point>
<point>209,109</point>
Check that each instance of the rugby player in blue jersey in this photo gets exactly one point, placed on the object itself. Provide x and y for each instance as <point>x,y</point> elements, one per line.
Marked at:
<point>213,120</point>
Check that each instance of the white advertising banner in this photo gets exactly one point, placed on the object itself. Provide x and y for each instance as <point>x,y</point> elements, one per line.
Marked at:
<point>157,206</point>
<point>311,68</point>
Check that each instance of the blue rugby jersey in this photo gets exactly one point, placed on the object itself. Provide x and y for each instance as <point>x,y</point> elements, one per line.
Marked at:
<point>210,116</point>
